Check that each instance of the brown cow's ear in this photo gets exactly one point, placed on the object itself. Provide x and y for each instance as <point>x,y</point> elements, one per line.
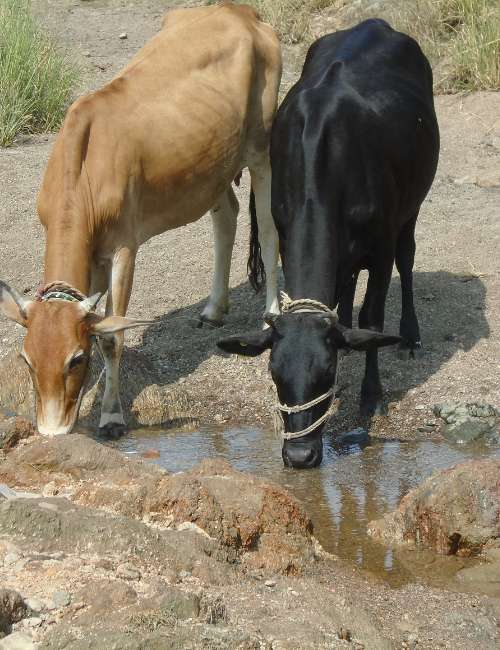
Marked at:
<point>13,305</point>
<point>110,325</point>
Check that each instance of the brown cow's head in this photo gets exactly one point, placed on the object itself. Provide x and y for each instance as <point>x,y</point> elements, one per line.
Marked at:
<point>57,351</point>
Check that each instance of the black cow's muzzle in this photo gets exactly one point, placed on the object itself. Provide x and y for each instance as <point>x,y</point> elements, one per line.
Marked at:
<point>303,453</point>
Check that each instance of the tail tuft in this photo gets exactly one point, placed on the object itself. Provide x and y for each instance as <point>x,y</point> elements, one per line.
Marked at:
<point>255,265</point>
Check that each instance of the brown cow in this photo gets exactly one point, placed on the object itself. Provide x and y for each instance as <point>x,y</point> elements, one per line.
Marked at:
<point>152,150</point>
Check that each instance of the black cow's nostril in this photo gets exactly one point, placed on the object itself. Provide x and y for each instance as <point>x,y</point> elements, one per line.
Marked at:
<point>302,456</point>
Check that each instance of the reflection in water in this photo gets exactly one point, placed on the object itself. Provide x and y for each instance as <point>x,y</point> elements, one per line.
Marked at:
<point>360,479</point>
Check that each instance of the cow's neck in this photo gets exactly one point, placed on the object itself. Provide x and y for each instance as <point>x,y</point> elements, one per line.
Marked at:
<point>67,252</point>
<point>310,260</point>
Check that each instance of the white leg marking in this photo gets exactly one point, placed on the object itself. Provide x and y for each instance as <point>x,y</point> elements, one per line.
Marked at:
<point>120,286</point>
<point>224,216</point>
<point>268,236</point>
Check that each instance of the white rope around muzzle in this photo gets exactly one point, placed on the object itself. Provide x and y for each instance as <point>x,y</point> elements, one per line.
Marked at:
<point>306,305</point>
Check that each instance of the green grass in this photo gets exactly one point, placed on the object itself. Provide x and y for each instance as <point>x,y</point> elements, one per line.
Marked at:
<point>460,37</point>
<point>36,78</point>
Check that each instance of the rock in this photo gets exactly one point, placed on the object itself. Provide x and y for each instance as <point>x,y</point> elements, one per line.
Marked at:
<point>123,36</point>
<point>86,53</point>
<point>455,511</point>
<point>180,604</point>
<point>270,583</point>
<point>61,599</point>
<point>17,641</point>
<point>14,429</point>
<point>481,573</point>
<point>256,520</point>
<point>489,179</point>
<point>33,621</point>
<point>34,604</point>
<point>57,524</point>
<point>104,474</point>
<point>103,597</point>
<point>12,609</point>
<point>467,422</point>
<point>128,572</point>
<point>466,429</point>
<point>11,558</point>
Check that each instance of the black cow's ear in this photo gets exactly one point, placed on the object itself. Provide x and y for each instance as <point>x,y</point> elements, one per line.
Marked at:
<point>361,339</point>
<point>250,345</point>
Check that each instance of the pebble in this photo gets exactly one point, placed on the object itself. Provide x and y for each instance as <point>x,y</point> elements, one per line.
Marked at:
<point>11,558</point>
<point>270,583</point>
<point>128,572</point>
<point>34,604</point>
<point>17,641</point>
<point>61,598</point>
<point>123,36</point>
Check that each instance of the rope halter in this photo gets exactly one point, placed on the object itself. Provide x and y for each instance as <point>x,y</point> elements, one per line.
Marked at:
<point>306,305</point>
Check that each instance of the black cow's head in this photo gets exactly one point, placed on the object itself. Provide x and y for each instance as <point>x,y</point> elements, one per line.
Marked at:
<point>303,364</point>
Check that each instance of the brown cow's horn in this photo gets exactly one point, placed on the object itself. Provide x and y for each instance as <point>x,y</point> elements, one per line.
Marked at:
<point>89,304</point>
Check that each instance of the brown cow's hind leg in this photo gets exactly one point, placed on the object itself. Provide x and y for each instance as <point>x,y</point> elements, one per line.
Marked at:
<point>224,216</point>
<point>268,237</point>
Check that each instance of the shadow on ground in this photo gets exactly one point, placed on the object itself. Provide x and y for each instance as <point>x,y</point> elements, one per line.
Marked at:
<point>451,310</point>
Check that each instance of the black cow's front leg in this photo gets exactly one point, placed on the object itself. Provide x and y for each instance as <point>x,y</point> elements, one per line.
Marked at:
<point>371,316</point>
<point>409,330</point>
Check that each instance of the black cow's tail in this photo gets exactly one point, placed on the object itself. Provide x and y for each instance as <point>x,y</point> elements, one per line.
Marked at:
<point>255,265</point>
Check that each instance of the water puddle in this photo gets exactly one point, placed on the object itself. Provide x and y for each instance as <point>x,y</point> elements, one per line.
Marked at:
<point>359,480</point>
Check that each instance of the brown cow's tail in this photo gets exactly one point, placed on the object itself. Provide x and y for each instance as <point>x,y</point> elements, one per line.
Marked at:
<point>255,266</point>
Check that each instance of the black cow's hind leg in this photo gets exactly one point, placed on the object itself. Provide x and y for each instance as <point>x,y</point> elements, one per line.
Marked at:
<point>371,317</point>
<point>409,330</point>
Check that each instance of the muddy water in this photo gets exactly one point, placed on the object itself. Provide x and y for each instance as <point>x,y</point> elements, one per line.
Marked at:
<point>360,479</point>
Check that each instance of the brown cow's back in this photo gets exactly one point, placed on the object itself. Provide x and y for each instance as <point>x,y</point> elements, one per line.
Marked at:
<point>162,140</point>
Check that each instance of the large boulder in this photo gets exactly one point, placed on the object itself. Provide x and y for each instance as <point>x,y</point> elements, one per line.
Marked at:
<point>455,511</point>
<point>251,520</point>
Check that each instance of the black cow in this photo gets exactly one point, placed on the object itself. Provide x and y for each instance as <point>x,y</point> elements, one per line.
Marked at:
<point>354,150</point>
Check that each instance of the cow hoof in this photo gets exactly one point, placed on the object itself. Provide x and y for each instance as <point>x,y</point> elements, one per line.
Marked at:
<point>407,351</point>
<point>112,430</point>
<point>203,320</point>
<point>371,408</point>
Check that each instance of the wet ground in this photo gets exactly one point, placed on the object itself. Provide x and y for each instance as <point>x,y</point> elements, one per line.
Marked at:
<point>360,479</point>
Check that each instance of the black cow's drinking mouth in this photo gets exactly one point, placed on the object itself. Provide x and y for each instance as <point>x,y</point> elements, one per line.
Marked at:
<point>305,342</point>
<point>354,151</point>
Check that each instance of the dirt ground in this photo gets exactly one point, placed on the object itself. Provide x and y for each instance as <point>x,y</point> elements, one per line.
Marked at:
<point>456,273</point>
<point>458,302</point>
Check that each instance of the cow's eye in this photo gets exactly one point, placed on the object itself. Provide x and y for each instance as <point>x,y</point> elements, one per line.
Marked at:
<point>76,360</point>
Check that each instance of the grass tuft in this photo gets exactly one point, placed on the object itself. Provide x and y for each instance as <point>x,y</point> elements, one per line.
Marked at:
<point>36,78</point>
<point>460,37</point>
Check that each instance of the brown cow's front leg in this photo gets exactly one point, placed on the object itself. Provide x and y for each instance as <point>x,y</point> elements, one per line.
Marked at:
<point>112,422</point>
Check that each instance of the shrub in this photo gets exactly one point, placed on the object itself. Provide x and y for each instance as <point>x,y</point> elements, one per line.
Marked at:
<point>36,78</point>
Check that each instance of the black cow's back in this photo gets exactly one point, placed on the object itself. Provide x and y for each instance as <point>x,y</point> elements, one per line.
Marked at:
<point>355,142</point>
